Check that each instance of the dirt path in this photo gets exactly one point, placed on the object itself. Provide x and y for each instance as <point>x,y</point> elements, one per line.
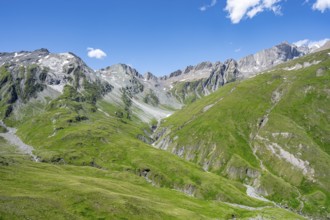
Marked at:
<point>13,139</point>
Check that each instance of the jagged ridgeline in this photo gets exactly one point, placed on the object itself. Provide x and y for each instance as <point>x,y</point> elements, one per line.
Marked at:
<point>238,148</point>
<point>36,76</point>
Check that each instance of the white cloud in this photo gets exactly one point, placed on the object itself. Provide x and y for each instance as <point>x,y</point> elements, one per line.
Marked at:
<point>96,53</point>
<point>321,5</point>
<point>238,50</point>
<point>205,7</point>
<point>238,9</point>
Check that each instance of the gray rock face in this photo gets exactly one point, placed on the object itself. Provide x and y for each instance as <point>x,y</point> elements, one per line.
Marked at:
<point>40,74</point>
<point>175,73</point>
<point>326,46</point>
<point>268,58</point>
<point>22,57</point>
<point>147,93</point>
<point>207,77</point>
<point>51,72</point>
<point>188,69</point>
<point>200,80</point>
<point>150,76</point>
<point>204,65</point>
<point>231,71</point>
<point>54,70</point>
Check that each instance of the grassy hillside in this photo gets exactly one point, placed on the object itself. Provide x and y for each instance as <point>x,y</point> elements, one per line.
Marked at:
<point>271,132</point>
<point>95,166</point>
<point>60,191</point>
<point>85,138</point>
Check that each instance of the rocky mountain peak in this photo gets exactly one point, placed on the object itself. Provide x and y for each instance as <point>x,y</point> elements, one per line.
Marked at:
<point>150,76</point>
<point>122,69</point>
<point>203,65</point>
<point>23,57</point>
<point>175,73</point>
<point>268,58</point>
<point>188,69</point>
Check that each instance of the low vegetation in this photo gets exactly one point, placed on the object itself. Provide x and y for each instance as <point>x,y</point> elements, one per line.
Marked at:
<point>92,165</point>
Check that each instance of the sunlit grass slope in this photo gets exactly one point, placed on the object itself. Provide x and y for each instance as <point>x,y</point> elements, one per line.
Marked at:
<point>271,131</point>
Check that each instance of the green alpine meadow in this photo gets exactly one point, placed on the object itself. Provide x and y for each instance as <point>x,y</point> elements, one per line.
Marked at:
<point>165,109</point>
<point>113,144</point>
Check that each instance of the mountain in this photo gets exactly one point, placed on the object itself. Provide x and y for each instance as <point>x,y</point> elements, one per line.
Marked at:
<point>270,132</point>
<point>268,58</point>
<point>149,98</point>
<point>308,46</point>
<point>325,46</point>
<point>225,145</point>
<point>194,82</point>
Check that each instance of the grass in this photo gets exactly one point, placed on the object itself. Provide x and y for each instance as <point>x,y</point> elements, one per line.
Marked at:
<point>110,143</point>
<point>93,165</point>
<point>219,131</point>
<point>42,190</point>
<point>3,129</point>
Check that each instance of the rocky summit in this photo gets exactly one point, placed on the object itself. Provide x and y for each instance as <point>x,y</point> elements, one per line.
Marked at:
<point>239,139</point>
<point>43,72</point>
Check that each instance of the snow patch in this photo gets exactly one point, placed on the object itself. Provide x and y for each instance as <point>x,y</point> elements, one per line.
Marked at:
<point>66,62</point>
<point>18,55</point>
<point>67,55</point>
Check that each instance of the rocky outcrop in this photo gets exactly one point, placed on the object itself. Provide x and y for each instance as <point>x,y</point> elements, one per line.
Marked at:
<point>150,76</point>
<point>41,71</point>
<point>40,74</point>
<point>23,57</point>
<point>175,73</point>
<point>193,82</point>
<point>268,58</point>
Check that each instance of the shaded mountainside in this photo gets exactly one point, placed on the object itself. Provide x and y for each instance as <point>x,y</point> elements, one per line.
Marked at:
<point>271,132</point>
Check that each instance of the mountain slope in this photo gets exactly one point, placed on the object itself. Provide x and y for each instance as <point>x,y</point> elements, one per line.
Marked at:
<point>203,79</point>
<point>271,132</point>
<point>91,129</point>
<point>42,190</point>
<point>74,124</point>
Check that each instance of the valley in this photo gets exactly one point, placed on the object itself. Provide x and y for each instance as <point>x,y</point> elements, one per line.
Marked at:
<point>246,139</point>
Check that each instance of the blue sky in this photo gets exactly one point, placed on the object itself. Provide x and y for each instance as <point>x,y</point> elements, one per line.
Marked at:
<point>159,36</point>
